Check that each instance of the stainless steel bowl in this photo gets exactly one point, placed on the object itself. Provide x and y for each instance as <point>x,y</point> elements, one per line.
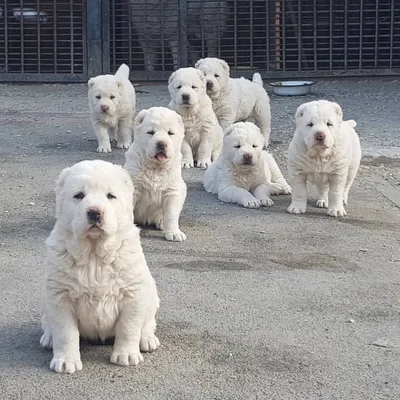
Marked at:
<point>291,88</point>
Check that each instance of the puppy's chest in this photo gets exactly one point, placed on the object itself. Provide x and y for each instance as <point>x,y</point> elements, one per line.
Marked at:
<point>110,120</point>
<point>248,180</point>
<point>151,191</point>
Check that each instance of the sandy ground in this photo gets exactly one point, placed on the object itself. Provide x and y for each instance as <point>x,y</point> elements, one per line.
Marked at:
<point>257,304</point>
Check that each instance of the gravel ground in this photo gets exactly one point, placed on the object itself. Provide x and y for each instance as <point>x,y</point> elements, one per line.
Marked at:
<point>257,304</point>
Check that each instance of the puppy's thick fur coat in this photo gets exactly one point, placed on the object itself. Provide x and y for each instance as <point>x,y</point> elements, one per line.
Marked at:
<point>203,134</point>
<point>236,100</point>
<point>326,151</point>
<point>243,171</point>
<point>112,103</point>
<point>97,283</point>
<point>154,163</point>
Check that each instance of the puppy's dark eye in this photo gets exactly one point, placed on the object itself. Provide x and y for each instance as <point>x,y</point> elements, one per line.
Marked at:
<point>151,133</point>
<point>170,133</point>
<point>98,97</point>
<point>310,124</point>
<point>79,196</point>
<point>179,87</point>
<point>216,75</point>
<point>329,124</point>
<point>194,87</point>
<point>112,97</point>
<point>110,196</point>
<point>255,146</point>
<point>237,146</point>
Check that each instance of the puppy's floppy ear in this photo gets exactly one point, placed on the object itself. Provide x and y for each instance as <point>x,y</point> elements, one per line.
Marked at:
<point>58,189</point>
<point>300,111</point>
<point>91,82</point>
<point>171,78</point>
<point>140,117</point>
<point>198,63</point>
<point>230,129</point>
<point>338,110</point>
<point>224,65</point>
<point>201,75</point>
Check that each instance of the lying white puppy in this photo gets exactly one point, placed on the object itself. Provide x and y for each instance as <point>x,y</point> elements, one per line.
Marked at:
<point>326,151</point>
<point>112,103</point>
<point>243,172</point>
<point>154,163</point>
<point>97,283</point>
<point>236,100</point>
<point>203,135</point>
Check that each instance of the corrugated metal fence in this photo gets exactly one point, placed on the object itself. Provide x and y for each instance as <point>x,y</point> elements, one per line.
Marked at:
<point>69,40</point>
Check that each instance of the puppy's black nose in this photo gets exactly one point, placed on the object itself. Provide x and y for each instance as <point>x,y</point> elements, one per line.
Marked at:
<point>320,136</point>
<point>93,216</point>
<point>185,98</point>
<point>247,157</point>
<point>161,146</point>
<point>209,85</point>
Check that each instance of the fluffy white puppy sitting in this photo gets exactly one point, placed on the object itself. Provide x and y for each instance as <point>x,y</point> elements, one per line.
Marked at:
<point>154,163</point>
<point>243,172</point>
<point>97,282</point>
<point>236,100</point>
<point>203,134</point>
<point>112,103</point>
<point>326,151</point>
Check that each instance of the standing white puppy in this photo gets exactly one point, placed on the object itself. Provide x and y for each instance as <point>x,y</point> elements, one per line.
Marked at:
<point>97,283</point>
<point>154,163</point>
<point>326,151</point>
<point>236,100</point>
<point>243,171</point>
<point>203,134</point>
<point>112,103</point>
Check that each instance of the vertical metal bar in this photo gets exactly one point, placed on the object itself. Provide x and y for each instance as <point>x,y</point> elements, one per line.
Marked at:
<point>299,44</point>
<point>345,33</point>
<point>391,33</point>
<point>21,25</point>
<point>315,34</point>
<point>114,40</point>
<point>376,33</point>
<point>55,35</point>
<point>38,35</point>
<point>251,35</point>
<point>284,34</point>
<point>202,30</point>
<point>146,48</point>
<point>6,35</point>
<point>162,27</point>
<point>278,35</point>
<point>267,49</point>
<point>235,34</point>
<point>106,24</point>
<point>360,51</point>
<point>330,35</point>
<point>94,36</point>
<point>219,29</point>
<point>183,45</point>
<point>71,34</point>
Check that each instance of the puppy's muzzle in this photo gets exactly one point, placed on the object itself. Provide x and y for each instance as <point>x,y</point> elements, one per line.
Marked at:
<point>104,108</point>
<point>94,216</point>
<point>185,98</point>
<point>161,147</point>
<point>320,137</point>
<point>247,158</point>
<point>209,85</point>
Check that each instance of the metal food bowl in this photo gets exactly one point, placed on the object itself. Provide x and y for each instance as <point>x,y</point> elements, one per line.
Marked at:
<point>291,88</point>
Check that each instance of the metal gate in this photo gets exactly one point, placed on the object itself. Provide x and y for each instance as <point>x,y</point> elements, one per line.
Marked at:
<point>72,40</point>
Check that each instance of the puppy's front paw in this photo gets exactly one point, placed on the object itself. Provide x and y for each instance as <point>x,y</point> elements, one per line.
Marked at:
<point>106,148</point>
<point>293,209</point>
<point>203,163</point>
<point>149,343</point>
<point>321,203</point>
<point>175,236</point>
<point>123,145</point>
<point>126,358</point>
<point>276,189</point>
<point>286,189</point>
<point>266,202</point>
<point>251,203</point>
<point>46,340</point>
<point>66,363</point>
<point>336,212</point>
<point>188,164</point>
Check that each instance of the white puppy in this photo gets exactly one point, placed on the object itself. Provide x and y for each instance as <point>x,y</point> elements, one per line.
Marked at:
<point>154,163</point>
<point>325,150</point>
<point>203,135</point>
<point>243,172</point>
<point>236,100</point>
<point>97,283</point>
<point>112,103</point>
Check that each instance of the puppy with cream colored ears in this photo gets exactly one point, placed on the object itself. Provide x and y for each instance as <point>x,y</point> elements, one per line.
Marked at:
<point>112,103</point>
<point>154,163</point>
<point>203,134</point>
<point>326,151</point>
<point>97,283</point>
<point>236,100</point>
<point>243,171</point>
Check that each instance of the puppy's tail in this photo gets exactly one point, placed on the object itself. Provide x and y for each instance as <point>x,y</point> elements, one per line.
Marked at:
<point>257,79</point>
<point>123,71</point>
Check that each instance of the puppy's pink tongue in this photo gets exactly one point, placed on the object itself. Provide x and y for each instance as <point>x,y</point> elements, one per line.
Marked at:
<point>160,157</point>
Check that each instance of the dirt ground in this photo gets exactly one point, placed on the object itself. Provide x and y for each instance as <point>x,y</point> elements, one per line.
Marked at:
<point>257,304</point>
